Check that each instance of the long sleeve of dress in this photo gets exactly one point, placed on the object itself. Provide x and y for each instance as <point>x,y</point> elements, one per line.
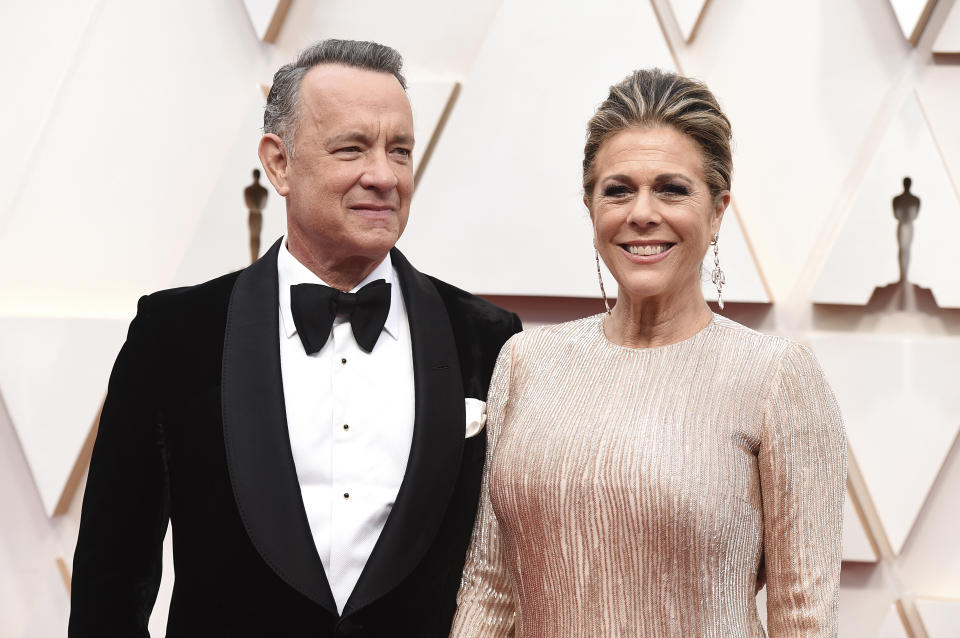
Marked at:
<point>485,602</point>
<point>802,464</point>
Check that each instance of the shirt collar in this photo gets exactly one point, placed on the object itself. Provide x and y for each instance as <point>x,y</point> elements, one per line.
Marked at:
<point>291,272</point>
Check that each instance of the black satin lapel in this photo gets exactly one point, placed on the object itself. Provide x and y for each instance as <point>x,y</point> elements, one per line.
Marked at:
<point>259,457</point>
<point>437,448</point>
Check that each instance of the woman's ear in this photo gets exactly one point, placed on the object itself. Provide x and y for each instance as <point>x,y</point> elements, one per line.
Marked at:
<point>274,158</point>
<point>720,205</point>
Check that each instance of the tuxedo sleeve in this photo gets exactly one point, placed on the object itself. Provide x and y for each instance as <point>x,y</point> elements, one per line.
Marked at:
<point>118,560</point>
<point>486,606</point>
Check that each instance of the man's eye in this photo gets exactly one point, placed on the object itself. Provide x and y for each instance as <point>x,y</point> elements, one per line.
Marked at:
<point>349,149</point>
<point>615,190</point>
<point>403,151</point>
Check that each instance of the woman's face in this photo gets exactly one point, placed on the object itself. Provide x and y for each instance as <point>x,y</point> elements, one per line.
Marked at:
<point>653,215</point>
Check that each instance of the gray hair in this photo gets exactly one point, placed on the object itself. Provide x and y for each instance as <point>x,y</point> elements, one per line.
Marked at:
<point>651,97</point>
<point>281,115</point>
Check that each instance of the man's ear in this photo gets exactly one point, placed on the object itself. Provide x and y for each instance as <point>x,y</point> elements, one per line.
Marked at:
<point>273,157</point>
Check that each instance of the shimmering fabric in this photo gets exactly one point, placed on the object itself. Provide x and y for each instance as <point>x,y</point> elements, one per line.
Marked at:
<point>636,492</point>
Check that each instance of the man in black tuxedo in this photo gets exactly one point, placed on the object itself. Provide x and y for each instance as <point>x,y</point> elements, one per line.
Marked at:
<point>310,445</point>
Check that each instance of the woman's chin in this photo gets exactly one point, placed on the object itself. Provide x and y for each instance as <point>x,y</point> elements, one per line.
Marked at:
<point>639,291</point>
<point>650,290</point>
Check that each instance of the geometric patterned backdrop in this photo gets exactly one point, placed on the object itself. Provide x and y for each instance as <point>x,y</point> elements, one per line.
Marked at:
<point>114,164</point>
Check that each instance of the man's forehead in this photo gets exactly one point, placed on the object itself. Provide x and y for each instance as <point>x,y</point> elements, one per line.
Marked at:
<point>339,81</point>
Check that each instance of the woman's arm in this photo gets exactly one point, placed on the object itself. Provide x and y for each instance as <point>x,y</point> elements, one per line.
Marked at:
<point>485,603</point>
<point>803,469</point>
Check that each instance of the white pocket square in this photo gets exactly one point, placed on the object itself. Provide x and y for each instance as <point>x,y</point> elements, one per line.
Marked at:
<point>476,416</point>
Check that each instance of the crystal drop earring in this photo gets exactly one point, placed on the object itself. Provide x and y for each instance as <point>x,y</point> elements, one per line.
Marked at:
<point>717,276</point>
<point>603,291</point>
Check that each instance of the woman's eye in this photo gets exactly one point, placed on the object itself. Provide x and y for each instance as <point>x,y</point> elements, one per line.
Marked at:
<point>675,189</point>
<point>615,190</point>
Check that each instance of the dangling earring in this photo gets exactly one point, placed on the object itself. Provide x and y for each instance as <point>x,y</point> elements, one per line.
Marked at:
<point>717,275</point>
<point>603,291</point>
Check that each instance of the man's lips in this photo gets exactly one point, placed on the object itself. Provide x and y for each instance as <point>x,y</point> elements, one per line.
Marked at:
<point>373,208</point>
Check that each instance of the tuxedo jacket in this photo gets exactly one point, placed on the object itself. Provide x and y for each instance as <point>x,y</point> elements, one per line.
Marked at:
<point>194,431</point>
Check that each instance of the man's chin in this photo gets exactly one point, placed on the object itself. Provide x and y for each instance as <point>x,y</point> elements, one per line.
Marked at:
<point>375,246</point>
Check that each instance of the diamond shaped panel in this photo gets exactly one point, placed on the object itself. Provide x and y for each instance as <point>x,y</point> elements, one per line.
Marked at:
<point>53,376</point>
<point>900,406</point>
<point>864,256</point>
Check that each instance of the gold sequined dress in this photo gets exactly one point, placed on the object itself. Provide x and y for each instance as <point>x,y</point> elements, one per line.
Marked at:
<point>636,492</point>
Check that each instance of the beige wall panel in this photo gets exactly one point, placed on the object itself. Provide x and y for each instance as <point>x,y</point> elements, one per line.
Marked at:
<point>893,626</point>
<point>941,618</point>
<point>865,599</point>
<point>131,154</point>
<point>505,177</point>
<point>53,375</point>
<point>856,543</point>
<point>912,16</point>
<point>801,83</point>
<point>930,561</point>
<point>429,102</point>
<point>39,43</point>
<point>33,600</point>
<point>439,39</point>
<point>865,254</point>
<point>219,242</point>
<point>948,39</point>
<point>267,17</point>
<point>688,14</point>
<point>938,90</point>
<point>900,406</point>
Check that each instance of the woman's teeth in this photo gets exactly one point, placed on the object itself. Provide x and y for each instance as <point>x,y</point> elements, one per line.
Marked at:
<point>648,250</point>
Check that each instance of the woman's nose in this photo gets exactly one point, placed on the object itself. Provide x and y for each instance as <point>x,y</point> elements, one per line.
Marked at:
<point>645,210</point>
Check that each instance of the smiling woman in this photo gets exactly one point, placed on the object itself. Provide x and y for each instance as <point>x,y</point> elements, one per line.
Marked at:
<point>656,179</point>
<point>649,468</point>
<point>653,217</point>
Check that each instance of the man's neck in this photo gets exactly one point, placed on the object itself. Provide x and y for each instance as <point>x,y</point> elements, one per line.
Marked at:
<point>343,274</point>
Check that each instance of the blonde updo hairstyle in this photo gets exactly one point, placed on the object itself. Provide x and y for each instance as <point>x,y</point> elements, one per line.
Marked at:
<point>655,98</point>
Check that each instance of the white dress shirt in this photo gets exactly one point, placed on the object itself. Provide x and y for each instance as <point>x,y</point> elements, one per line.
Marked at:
<point>350,417</point>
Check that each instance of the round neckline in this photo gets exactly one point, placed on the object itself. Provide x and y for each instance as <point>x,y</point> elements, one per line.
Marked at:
<point>606,340</point>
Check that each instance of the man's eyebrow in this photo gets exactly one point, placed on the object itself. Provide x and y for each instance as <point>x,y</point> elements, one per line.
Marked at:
<point>403,138</point>
<point>349,136</point>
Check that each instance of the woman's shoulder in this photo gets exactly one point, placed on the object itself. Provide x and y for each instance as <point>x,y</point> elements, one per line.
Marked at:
<point>558,333</point>
<point>546,342</point>
<point>764,352</point>
<point>753,341</point>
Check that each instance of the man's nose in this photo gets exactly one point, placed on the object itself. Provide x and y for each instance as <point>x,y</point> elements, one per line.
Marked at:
<point>379,173</point>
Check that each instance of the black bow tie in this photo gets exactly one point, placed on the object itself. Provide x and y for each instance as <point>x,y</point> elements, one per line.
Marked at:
<point>315,306</point>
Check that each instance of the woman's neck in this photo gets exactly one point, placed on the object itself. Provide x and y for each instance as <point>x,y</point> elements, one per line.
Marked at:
<point>648,322</point>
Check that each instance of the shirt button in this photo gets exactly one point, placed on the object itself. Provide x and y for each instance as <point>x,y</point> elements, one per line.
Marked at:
<point>343,361</point>
<point>346,495</point>
<point>346,426</point>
